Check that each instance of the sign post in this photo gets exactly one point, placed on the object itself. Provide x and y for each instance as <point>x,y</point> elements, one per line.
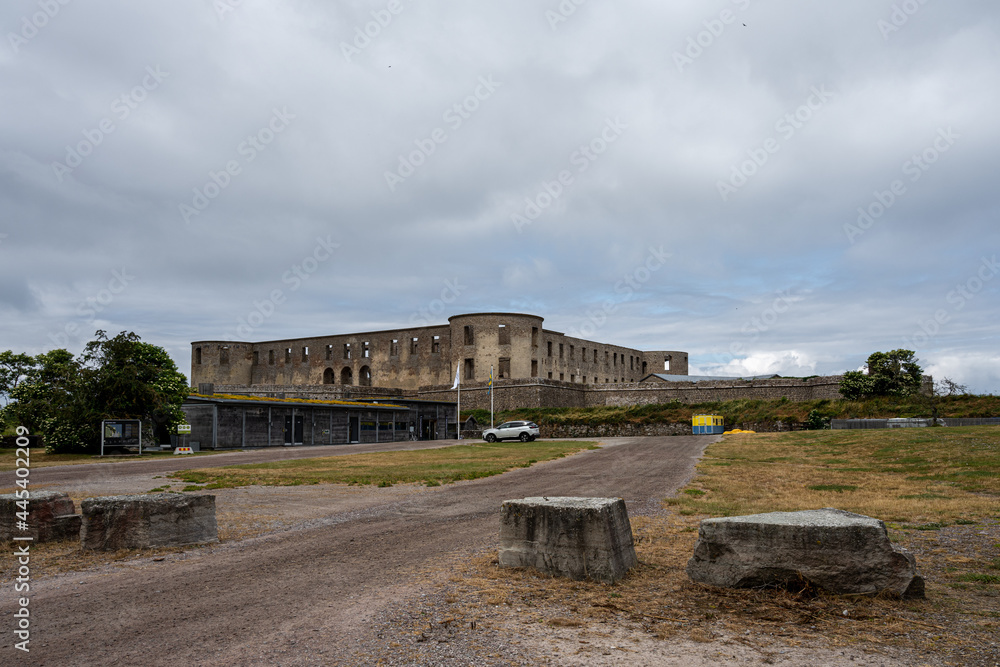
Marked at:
<point>121,433</point>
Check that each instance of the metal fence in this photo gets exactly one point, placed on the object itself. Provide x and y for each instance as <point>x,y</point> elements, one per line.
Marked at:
<point>858,423</point>
<point>911,422</point>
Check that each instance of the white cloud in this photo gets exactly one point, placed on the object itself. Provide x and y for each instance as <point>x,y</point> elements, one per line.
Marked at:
<point>788,363</point>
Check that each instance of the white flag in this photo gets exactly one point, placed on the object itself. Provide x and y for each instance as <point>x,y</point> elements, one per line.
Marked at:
<point>457,369</point>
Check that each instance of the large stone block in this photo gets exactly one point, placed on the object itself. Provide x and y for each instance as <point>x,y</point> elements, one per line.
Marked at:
<point>153,520</point>
<point>841,552</point>
<point>51,517</point>
<point>571,537</point>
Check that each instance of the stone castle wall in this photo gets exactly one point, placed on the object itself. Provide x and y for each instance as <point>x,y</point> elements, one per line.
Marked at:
<point>541,392</point>
<point>516,346</point>
<point>548,393</point>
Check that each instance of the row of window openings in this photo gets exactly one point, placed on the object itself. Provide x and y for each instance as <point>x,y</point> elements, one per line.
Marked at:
<point>348,352</point>
<point>503,335</point>
<point>435,349</point>
<point>583,379</point>
<point>608,356</point>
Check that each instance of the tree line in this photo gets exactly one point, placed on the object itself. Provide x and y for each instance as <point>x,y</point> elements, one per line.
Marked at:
<point>64,398</point>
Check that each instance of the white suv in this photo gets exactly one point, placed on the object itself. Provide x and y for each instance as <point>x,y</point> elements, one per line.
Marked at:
<point>523,431</point>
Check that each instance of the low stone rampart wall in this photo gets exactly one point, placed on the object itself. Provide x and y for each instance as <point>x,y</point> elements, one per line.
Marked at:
<point>540,392</point>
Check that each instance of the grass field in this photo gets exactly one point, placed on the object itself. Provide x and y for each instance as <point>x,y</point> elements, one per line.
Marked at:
<point>429,466</point>
<point>908,476</point>
<point>39,459</point>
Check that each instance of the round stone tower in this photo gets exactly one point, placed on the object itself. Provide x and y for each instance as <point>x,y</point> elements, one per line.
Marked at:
<point>508,342</point>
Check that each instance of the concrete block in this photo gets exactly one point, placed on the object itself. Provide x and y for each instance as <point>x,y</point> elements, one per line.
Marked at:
<point>841,552</point>
<point>152,520</point>
<point>577,538</point>
<point>51,517</point>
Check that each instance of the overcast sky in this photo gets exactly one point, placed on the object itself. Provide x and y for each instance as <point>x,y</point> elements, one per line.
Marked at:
<point>775,187</point>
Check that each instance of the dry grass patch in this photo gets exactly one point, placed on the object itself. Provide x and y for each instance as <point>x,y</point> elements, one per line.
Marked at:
<point>39,458</point>
<point>51,558</point>
<point>659,600</point>
<point>912,476</point>
<point>938,488</point>
<point>429,466</point>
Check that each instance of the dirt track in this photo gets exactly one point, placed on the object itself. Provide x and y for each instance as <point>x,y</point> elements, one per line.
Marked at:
<point>123,469</point>
<point>300,596</point>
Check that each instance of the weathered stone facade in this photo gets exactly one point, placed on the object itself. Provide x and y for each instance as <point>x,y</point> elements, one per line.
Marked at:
<point>534,367</point>
<point>515,345</point>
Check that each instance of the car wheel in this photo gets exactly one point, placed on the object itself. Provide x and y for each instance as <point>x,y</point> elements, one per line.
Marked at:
<point>524,437</point>
<point>531,439</point>
<point>490,437</point>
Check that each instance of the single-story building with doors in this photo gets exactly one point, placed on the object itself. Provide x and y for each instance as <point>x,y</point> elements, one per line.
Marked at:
<point>240,422</point>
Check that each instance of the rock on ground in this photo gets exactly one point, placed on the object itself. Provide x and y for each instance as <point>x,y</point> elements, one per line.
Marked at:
<point>51,517</point>
<point>153,520</point>
<point>841,552</point>
<point>571,537</point>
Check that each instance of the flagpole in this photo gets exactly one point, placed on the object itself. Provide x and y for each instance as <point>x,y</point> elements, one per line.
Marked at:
<point>458,401</point>
<point>491,396</point>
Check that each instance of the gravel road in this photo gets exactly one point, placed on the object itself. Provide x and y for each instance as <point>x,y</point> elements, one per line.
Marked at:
<point>307,595</point>
<point>120,471</point>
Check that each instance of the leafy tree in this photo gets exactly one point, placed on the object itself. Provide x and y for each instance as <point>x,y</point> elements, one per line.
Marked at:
<point>13,368</point>
<point>49,390</point>
<point>894,373</point>
<point>815,421</point>
<point>129,379</point>
<point>65,398</point>
<point>855,385</point>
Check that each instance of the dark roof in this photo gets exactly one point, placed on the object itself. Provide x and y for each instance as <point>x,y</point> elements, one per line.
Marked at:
<point>261,400</point>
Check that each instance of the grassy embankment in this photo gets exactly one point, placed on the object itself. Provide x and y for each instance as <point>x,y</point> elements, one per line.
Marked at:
<point>752,410</point>
<point>431,467</point>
